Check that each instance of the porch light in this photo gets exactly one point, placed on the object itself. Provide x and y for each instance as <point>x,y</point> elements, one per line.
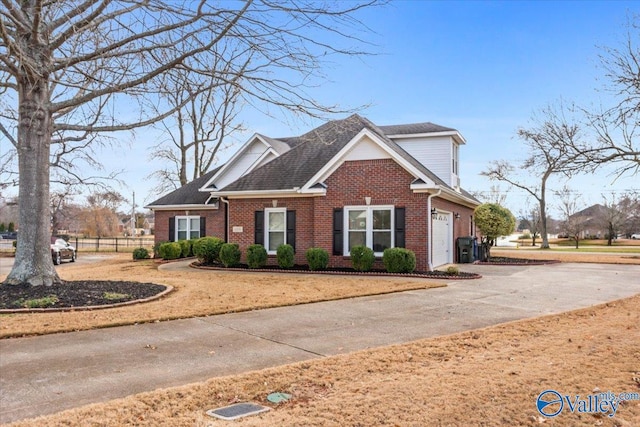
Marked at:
<point>434,213</point>
<point>457,215</point>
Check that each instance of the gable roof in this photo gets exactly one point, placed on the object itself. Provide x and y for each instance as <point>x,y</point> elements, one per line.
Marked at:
<point>304,161</point>
<point>188,194</point>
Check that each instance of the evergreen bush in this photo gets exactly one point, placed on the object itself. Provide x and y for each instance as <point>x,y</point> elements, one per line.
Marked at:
<point>140,253</point>
<point>362,258</point>
<point>317,258</point>
<point>185,245</point>
<point>285,256</point>
<point>207,249</point>
<point>399,260</point>
<point>230,254</point>
<point>170,250</point>
<point>256,256</point>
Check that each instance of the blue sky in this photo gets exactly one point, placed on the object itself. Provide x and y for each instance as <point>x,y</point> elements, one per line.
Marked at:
<point>481,67</point>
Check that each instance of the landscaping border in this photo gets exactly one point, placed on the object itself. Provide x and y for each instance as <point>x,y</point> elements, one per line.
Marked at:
<point>467,276</point>
<point>88,307</point>
<point>531,262</point>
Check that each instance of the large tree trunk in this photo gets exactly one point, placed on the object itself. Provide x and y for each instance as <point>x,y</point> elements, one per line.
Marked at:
<point>33,264</point>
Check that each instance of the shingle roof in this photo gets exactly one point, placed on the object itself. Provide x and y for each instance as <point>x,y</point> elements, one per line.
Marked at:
<point>307,155</point>
<point>296,167</point>
<point>188,194</point>
<point>414,128</point>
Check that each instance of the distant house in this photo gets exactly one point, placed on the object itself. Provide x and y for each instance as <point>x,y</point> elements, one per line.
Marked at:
<point>591,222</point>
<point>345,183</point>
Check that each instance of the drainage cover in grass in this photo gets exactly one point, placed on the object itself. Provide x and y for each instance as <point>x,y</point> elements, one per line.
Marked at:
<point>278,397</point>
<point>236,411</point>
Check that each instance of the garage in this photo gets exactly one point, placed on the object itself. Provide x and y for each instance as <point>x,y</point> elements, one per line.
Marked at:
<point>442,238</point>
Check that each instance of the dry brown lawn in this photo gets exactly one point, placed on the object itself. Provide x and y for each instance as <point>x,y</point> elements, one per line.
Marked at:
<point>568,256</point>
<point>197,293</point>
<point>486,377</point>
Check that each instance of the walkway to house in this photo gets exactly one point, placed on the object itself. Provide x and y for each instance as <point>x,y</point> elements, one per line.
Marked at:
<point>41,375</point>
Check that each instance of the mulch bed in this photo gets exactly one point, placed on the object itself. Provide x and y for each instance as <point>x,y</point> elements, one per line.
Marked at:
<point>340,271</point>
<point>75,294</point>
<point>500,260</point>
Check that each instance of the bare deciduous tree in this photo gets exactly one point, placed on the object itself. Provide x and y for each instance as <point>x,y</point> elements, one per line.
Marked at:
<point>548,155</point>
<point>615,128</point>
<point>66,66</point>
<point>196,132</point>
<point>573,223</point>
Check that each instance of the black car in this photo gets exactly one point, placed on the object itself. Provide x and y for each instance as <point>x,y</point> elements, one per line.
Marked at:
<point>9,235</point>
<point>61,249</point>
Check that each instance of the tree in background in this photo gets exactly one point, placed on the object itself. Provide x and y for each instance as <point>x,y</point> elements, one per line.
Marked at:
<point>548,155</point>
<point>66,67</point>
<point>530,219</point>
<point>100,217</point>
<point>573,223</point>
<point>616,128</point>
<point>493,221</point>
<point>619,215</point>
<point>198,130</point>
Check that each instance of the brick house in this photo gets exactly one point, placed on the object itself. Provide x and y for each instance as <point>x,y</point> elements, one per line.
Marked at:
<point>344,183</point>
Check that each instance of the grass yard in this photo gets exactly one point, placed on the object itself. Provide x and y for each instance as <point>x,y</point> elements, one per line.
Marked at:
<point>485,377</point>
<point>197,293</point>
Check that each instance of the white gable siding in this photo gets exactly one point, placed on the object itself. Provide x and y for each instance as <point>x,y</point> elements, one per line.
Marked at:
<point>241,164</point>
<point>366,149</point>
<point>435,153</point>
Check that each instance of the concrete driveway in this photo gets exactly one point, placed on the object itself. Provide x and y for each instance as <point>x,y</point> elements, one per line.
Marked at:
<point>41,375</point>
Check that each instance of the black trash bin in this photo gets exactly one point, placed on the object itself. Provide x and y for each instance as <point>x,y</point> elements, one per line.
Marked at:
<point>465,249</point>
<point>483,252</point>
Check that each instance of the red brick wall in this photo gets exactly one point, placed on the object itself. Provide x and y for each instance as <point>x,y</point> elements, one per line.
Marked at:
<point>242,214</point>
<point>384,181</point>
<point>387,183</point>
<point>214,222</point>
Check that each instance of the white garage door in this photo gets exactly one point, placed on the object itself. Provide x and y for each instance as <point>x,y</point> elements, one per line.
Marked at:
<point>442,238</point>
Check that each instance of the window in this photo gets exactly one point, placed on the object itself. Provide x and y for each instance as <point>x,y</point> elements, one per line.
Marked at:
<point>454,165</point>
<point>275,227</point>
<point>187,227</point>
<point>371,226</point>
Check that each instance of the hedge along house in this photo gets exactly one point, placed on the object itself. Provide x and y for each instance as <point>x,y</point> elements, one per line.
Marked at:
<point>345,183</point>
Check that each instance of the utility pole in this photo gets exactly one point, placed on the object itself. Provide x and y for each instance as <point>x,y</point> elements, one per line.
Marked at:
<point>133,216</point>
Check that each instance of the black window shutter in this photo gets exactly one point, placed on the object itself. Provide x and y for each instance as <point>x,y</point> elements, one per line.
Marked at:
<point>203,226</point>
<point>337,231</point>
<point>291,229</point>
<point>399,228</point>
<point>172,229</point>
<point>259,228</point>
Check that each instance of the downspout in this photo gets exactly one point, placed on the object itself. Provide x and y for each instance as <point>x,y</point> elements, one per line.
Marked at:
<point>430,227</point>
<point>226,219</point>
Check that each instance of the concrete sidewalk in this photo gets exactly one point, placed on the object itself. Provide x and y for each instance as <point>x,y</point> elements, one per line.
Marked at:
<point>42,375</point>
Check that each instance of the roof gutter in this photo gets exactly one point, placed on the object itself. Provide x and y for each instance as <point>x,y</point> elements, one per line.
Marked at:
<point>430,226</point>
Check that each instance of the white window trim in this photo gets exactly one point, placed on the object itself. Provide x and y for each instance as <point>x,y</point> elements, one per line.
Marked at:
<point>369,229</point>
<point>268,211</point>
<point>188,218</point>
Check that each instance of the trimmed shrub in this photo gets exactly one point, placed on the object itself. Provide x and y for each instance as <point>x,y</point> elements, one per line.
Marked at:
<point>185,245</point>
<point>362,258</point>
<point>317,258</point>
<point>140,253</point>
<point>285,256</point>
<point>230,254</point>
<point>207,249</point>
<point>256,256</point>
<point>452,270</point>
<point>399,260</point>
<point>156,249</point>
<point>170,250</point>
